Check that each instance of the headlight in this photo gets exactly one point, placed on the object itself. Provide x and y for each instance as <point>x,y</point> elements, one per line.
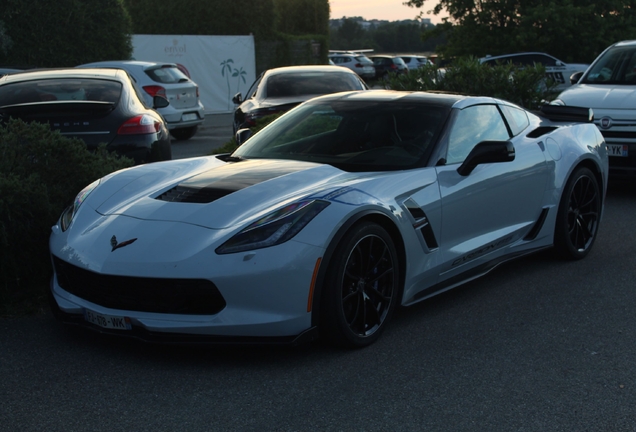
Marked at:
<point>71,211</point>
<point>275,228</point>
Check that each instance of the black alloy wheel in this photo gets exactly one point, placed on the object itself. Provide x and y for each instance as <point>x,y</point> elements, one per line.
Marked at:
<point>361,288</point>
<point>579,215</point>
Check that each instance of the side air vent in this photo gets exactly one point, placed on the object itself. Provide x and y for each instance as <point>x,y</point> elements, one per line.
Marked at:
<point>185,194</point>
<point>421,223</point>
<point>534,232</point>
<point>540,131</point>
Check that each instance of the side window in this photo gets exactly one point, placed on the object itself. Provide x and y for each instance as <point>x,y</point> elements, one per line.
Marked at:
<point>544,60</point>
<point>252,91</point>
<point>472,126</point>
<point>517,119</point>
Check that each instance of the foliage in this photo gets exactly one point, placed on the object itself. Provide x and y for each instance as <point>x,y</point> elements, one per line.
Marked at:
<point>40,173</point>
<point>526,87</point>
<point>571,30</point>
<point>389,37</point>
<point>39,33</point>
<point>302,17</point>
<point>231,145</point>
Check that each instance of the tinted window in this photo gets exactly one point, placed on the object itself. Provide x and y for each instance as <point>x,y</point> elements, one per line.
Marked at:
<point>167,75</point>
<point>64,89</point>
<point>517,119</point>
<point>616,66</point>
<point>353,136</point>
<point>308,83</point>
<point>472,126</point>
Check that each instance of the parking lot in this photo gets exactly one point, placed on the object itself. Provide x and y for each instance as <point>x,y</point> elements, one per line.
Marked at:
<point>216,131</point>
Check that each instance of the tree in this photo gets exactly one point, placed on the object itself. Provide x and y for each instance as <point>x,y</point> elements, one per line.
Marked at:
<point>65,33</point>
<point>572,30</point>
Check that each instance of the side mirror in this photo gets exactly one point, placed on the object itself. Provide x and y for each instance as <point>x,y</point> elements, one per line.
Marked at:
<point>242,135</point>
<point>160,102</point>
<point>237,99</point>
<point>487,152</point>
<point>575,77</point>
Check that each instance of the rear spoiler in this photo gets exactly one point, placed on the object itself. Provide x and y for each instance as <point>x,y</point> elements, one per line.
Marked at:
<point>567,113</point>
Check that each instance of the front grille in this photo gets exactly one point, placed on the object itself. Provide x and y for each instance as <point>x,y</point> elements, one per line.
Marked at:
<point>609,135</point>
<point>175,296</point>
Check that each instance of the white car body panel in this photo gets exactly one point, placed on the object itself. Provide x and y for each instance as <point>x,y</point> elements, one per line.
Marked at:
<point>479,221</point>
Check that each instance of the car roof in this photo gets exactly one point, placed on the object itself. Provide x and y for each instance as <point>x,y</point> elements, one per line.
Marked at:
<point>137,63</point>
<point>387,96</point>
<point>301,69</point>
<point>489,57</point>
<point>103,73</point>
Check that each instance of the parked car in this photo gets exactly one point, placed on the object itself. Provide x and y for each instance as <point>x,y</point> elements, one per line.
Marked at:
<point>280,89</point>
<point>359,63</point>
<point>95,105</point>
<point>388,64</point>
<point>323,223</point>
<point>609,86</point>
<point>556,70</point>
<point>415,61</point>
<point>185,112</point>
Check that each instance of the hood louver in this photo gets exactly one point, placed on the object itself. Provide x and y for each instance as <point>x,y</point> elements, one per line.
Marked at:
<point>183,194</point>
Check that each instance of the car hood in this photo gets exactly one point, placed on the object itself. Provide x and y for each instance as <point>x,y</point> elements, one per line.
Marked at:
<point>215,195</point>
<point>600,96</point>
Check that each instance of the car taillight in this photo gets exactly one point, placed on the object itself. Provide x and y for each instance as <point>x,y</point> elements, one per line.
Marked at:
<point>197,87</point>
<point>141,124</point>
<point>359,65</point>
<point>154,90</point>
<point>393,66</point>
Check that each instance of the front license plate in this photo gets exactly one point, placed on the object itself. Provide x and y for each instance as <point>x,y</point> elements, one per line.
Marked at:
<point>107,321</point>
<point>619,150</point>
<point>188,117</point>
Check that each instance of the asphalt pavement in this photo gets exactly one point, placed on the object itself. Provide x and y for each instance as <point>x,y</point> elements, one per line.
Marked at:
<point>213,133</point>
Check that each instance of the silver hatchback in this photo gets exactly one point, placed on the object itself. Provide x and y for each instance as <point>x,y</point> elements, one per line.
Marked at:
<point>185,112</point>
<point>359,63</point>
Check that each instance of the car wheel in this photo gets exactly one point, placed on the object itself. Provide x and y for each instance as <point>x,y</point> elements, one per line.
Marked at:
<point>183,134</point>
<point>361,287</point>
<point>578,216</point>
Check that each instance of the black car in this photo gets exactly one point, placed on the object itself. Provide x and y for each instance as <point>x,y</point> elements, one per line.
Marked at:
<point>281,89</point>
<point>96,105</point>
<point>388,64</point>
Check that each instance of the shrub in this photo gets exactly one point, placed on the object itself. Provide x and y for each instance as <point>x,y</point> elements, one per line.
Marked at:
<point>526,87</point>
<point>40,173</point>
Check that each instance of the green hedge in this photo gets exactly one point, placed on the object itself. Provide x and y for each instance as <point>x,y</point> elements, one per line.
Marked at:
<point>40,173</point>
<point>526,87</point>
<point>63,33</point>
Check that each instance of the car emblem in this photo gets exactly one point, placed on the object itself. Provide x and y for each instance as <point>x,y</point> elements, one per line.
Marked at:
<point>115,245</point>
<point>606,123</point>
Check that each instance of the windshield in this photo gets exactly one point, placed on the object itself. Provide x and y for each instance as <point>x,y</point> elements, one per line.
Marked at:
<point>351,135</point>
<point>616,66</point>
<point>310,83</point>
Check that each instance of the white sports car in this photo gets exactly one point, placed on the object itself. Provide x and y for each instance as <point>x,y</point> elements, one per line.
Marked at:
<point>325,221</point>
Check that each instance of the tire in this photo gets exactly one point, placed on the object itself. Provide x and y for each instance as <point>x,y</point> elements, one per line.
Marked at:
<point>578,216</point>
<point>361,287</point>
<point>183,134</point>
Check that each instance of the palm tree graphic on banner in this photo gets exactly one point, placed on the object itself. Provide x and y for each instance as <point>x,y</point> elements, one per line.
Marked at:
<point>227,65</point>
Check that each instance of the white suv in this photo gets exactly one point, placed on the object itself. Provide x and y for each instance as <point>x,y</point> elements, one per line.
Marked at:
<point>185,112</point>
<point>609,88</point>
<point>359,63</point>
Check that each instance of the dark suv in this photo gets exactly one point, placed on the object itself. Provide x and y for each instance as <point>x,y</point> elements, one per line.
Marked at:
<point>388,64</point>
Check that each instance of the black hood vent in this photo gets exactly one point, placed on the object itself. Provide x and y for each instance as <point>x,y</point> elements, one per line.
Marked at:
<point>219,182</point>
<point>186,194</point>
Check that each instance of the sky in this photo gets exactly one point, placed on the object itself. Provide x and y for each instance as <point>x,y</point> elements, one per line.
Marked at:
<point>391,10</point>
